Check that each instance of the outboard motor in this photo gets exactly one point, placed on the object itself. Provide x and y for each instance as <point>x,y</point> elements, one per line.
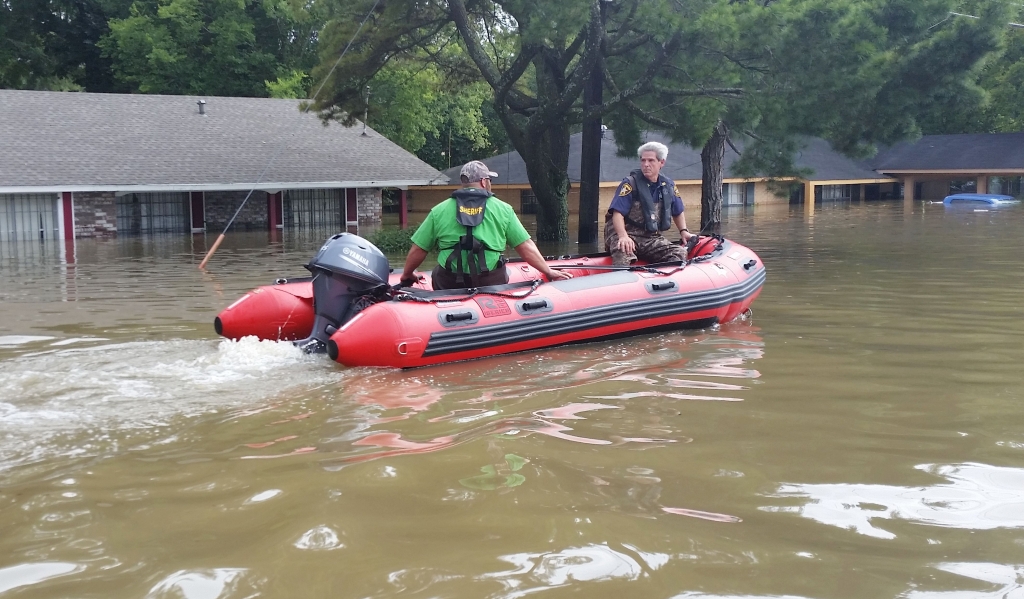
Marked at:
<point>345,268</point>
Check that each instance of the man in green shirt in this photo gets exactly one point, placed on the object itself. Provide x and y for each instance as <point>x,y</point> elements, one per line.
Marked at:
<point>471,229</point>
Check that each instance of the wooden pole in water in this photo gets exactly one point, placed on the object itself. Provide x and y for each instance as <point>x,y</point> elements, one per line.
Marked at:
<point>216,244</point>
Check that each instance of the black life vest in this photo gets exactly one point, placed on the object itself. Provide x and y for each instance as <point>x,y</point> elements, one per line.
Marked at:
<point>653,221</point>
<point>470,207</point>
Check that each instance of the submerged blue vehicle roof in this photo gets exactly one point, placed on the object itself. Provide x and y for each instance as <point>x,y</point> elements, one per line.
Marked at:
<point>991,199</point>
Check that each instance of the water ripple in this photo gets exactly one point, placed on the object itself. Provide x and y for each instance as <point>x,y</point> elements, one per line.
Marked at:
<point>1008,579</point>
<point>977,497</point>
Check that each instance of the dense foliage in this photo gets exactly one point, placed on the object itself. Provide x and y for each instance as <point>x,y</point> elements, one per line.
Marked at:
<point>392,240</point>
<point>857,72</point>
<point>454,80</point>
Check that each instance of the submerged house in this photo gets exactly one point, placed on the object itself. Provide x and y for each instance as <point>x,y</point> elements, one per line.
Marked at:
<point>79,165</point>
<point>930,168</point>
<point>835,176</point>
<point>938,165</point>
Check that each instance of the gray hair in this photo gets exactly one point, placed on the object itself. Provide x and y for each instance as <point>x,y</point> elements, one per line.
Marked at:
<point>660,150</point>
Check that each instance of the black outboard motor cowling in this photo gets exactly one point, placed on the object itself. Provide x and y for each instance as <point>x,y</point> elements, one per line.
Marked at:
<point>345,268</point>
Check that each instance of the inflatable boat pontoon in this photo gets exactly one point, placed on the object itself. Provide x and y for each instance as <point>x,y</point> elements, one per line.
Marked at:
<point>353,309</point>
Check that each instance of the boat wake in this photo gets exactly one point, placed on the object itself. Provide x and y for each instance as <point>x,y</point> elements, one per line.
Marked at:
<point>87,399</point>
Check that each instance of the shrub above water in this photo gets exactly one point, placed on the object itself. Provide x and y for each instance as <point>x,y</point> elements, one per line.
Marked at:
<point>392,240</point>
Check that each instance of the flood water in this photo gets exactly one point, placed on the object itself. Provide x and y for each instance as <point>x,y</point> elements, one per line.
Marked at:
<point>862,436</point>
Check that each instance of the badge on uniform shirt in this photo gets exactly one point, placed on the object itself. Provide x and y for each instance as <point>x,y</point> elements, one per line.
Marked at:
<point>626,190</point>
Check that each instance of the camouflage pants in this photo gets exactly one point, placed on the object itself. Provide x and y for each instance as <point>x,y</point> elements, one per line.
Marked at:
<point>649,249</point>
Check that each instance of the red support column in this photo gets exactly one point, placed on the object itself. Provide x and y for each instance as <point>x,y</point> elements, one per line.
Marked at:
<point>403,209</point>
<point>69,216</point>
<point>198,205</point>
<point>351,211</point>
<point>275,211</point>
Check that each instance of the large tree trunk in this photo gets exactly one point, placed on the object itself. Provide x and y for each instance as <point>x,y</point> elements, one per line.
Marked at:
<point>711,158</point>
<point>547,162</point>
<point>544,147</point>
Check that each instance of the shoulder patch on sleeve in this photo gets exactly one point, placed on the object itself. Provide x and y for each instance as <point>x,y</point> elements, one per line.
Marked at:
<point>626,190</point>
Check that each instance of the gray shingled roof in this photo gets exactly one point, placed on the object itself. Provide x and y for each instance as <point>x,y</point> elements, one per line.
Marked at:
<point>56,141</point>
<point>826,164</point>
<point>683,162</point>
<point>969,151</point>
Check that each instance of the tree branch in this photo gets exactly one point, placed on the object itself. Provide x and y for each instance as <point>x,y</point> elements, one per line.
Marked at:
<point>457,10</point>
<point>648,117</point>
<point>750,133</point>
<point>709,91</point>
<point>591,57</point>
<point>632,45</point>
<point>625,27</point>
<point>509,78</point>
<point>742,62</point>
<point>517,101</point>
<point>573,48</point>
<point>728,140</point>
<point>642,84</point>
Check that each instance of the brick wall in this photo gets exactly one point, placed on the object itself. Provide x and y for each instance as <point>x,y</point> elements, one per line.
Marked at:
<point>369,205</point>
<point>221,205</point>
<point>95,214</point>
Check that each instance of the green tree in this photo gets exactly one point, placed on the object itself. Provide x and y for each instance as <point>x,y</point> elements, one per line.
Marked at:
<point>1000,85</point>
<point>216,47</point>
<point>535,55</point>
<point>51,45</point>
<point>856,72</point>
<point>411,103</point>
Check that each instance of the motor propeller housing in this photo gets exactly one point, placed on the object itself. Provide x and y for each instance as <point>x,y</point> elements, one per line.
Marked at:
<point>345,268</point>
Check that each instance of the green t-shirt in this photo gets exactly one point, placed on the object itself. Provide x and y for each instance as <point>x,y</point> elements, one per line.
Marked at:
<point>499,228</point>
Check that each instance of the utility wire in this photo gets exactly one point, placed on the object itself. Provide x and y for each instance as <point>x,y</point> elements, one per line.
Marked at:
<point>312,100</point>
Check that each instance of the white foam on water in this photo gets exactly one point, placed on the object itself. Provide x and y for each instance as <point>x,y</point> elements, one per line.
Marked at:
<point>213,583</point>
<point>64,342</point>
<point>15,340</point>
<point>104,390</point>
<point>1009,580</point>
<point>22,575</point>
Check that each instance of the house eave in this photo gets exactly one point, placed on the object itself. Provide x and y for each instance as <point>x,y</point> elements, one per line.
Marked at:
<point>956,171</point>
<point>172,187</point>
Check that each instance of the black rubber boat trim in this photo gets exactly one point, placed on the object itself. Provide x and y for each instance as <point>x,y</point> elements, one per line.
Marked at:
<point>478,337</point>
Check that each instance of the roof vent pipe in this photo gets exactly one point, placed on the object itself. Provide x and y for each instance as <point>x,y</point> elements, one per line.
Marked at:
<point>202,107</point>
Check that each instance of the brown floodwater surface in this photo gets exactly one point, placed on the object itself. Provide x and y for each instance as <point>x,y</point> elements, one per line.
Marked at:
<point>861,436</point>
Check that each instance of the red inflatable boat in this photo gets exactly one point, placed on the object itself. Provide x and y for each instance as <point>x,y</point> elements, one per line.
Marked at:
<point>352,307</point>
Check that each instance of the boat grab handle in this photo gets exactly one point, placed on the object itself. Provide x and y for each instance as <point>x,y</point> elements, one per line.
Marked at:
<point>457,316</point>
<point>663,286</point>
<point>535,305</point>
